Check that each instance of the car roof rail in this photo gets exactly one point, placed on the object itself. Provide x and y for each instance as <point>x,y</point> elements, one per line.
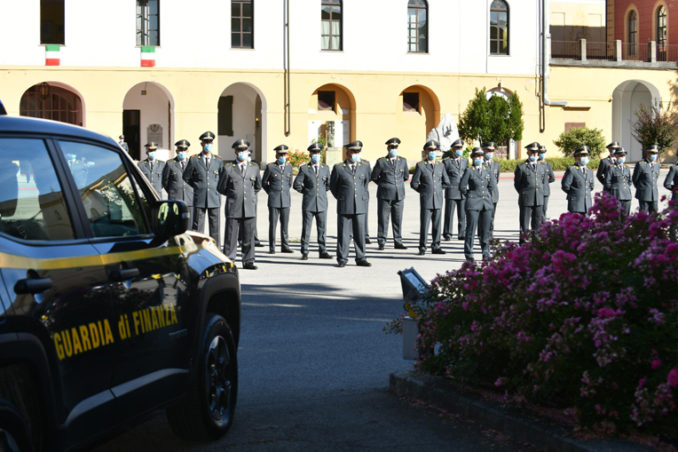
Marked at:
<point>2,109</point>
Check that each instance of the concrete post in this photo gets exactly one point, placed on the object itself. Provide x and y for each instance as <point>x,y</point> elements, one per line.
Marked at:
<point>582,49</point>
<point>652,51</point>
<point>618,50</point>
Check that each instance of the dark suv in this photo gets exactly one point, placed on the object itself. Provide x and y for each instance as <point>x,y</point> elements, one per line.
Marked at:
<point>109,308</point>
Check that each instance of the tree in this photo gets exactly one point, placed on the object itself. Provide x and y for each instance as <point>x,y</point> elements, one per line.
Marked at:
<point>655,126</point>
<point>570,141</point>
<point>494,119</point>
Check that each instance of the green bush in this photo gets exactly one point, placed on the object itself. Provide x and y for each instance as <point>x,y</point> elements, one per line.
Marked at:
<point>570,141</point>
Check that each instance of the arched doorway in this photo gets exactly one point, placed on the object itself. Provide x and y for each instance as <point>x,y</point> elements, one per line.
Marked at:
<point>55,101</point>
<point>240,115</point>
<point>417,113</point>
<point>626,101</point>
<point>148,115</point>
<point>331,119</point>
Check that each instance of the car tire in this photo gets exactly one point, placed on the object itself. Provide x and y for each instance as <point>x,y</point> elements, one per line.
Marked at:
<point>206,412</point>
<point>14,436</point>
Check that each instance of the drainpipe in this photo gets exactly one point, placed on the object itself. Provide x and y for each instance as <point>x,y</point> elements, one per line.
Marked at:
<point>544,70</point>
<point>286,64</point>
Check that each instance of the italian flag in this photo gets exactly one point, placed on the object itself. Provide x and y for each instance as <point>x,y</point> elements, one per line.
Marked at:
<point>52,57</point>
<point>147,56</point>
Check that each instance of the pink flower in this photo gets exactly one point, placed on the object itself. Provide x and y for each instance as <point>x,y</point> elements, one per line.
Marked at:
<point>656,364</point>
<point>672,378</point>
<point>606,313</point>
<point>499,382</point>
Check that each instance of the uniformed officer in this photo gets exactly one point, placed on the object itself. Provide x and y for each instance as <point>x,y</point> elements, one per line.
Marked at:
<point>348,183</point>
<point>123,144</point>
<point>578,182</point>
<point>429,180</point>
<point>528,181</point>
<point>671,183</point>
<point>494,167</point>
<point>455,165</point>
<point>605,163</point>
<point>645,176</point>
<point>152,167</point>
<point>240,182</point>
<point>172,177</point>
<point>477,185</point>
<point>257,242</point>
<point>277,182</point>
<point>390,174</point>
<point>202,173</point>
<point>618,181</point>
<point>548,180</point>
<point>313,181</point>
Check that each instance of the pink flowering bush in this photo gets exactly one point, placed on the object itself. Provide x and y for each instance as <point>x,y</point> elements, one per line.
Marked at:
<point>583,316</point>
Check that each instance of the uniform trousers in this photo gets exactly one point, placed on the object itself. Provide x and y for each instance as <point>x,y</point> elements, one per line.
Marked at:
<point>273,214</point>
<point>494,211</point>
<point>481,219</point>
<point>545,206</point>
<point>233,226</point>
<point>426,216</point>
<point>625,208</point>
<point>393,210</point>
<point>530,214</point>
<point>306,226</point>
<point>213,221</point>
<point>450,205</point>
<point>648,206</point>
<point>350,226</point>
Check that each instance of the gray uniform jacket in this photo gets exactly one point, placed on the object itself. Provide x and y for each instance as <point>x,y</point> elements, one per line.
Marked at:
<point>494,170</point>
<point>549,179</point>
<point>477,184</point>
<point>277,183</point>
<point>204,180</point>
<point>671,182</point>
<point>240,190</point>
<point>618,182</point>
<point>350,189</point>
<point>578,184</point>
<point>645,178</point>
<point>603,166</point>
<point>313,187</point>
<point>390,178</point>
<point>154,175</point>
<point>529,183</point>
<point>173,182</point>
<point>429,180</point>
<point>455,169</point>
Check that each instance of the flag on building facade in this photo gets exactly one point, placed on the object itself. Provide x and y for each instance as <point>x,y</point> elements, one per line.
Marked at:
<point>52,55</point>
<point>147,56</point>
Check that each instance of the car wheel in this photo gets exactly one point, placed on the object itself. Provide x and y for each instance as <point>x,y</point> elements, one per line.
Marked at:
<point>14,435</point>
<point>207,410</point>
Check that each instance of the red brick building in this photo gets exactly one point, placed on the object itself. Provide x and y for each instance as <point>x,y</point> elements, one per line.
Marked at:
<point>637,22</point>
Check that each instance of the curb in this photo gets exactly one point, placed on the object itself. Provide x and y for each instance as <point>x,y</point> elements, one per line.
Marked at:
<point>520,427</point>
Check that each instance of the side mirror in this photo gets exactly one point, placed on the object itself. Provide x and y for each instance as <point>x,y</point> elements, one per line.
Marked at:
<point>170,219</point>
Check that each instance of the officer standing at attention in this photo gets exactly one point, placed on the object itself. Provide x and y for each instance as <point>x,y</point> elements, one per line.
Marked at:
<point>455,165</point>
<point>202,173</point>
<point>618,181</point>
<point>429,180</point>
<point>123,143</point>
<point>172,177</point>
<point>240,182</point>
<point>152,167</point>
<point>578,182</point>
<point>645,176</point>
<point>477,184</point>
<point>529,183</point>
<point>390,174</point>
<point>494,167</point>
<point>605,163</point>
<point>277,182</point>
<point>548,180</point>
<point>313,181</point>
<point>671,183</point>
<point>348,183</point>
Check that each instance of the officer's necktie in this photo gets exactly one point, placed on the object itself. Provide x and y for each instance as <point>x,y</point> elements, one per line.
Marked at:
<point>315,169</point>
<point>353,169</point>
<point>207,163</point>
<point>242,170</point>
<point>182,165</point>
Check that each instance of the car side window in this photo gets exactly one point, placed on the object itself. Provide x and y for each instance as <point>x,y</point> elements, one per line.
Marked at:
<point>32,205</point>
<point>106,190</point>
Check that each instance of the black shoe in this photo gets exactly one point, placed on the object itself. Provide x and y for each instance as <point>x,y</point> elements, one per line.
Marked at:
<point>341,264</point>
<point>422,252</point>
<point>258,244</point>
<point>446,238</point>
<point>304,257</point>
<point>438,251</point>
<point>287,249</point>
<point>461,237</point>
<point>367,240</point>
<point>271,251</point>
<point>381,246</point>
<point>325,255</point>
<point>249,266</point>
<point>363,263</point>
<point>400,246</point>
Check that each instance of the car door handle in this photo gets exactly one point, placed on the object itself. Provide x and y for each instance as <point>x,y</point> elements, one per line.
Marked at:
<point>32,285</point>
<point>124,274</point>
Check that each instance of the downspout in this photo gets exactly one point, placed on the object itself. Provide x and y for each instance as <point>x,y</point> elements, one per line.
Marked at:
<point>286,75</point>
<point>544,69</point>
